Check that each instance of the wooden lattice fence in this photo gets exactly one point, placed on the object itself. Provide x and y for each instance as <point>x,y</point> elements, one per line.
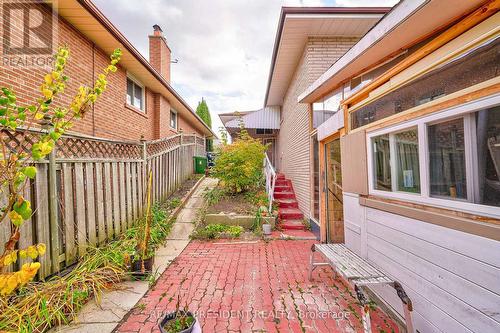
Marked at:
<point>90,190</point>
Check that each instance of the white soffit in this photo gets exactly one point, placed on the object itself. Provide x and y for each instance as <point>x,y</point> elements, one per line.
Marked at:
<point>407,22</point>
<point>297,28</point>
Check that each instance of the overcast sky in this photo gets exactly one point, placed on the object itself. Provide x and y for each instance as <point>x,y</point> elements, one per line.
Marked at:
<point>224,47</point>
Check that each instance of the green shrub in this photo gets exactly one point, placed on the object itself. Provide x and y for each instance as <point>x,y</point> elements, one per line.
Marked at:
<point>213,231</point>
<point>239,165</point>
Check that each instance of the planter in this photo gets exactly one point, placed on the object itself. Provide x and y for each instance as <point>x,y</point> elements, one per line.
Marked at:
<point>137,265</point>
<point>194,328</point>
<point>266,229</point>
<point>246,221</point>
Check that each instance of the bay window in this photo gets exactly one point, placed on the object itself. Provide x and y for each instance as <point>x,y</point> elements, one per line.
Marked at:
<point>449,159</point>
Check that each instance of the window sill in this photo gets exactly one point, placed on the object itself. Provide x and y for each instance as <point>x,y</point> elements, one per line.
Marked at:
<point>458,206</point>
<point>136,110</point>
<point>464,222</point>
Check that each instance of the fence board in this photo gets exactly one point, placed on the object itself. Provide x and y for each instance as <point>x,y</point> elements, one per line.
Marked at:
<point>140,183</point>
<point>89,190</point>
<point>81,228</point>
<point>42,218</point>
<point>68,214</point>
<point>122,189</point>
<point>108,201</point>
<point>116,199</point>
<point>5,225</point>
<point>26,229</point>
<point>128,194</point>
<point>134,190</point>
<point>99,198</point>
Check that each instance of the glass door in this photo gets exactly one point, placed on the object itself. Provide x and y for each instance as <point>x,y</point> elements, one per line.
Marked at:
<point>334,198</point>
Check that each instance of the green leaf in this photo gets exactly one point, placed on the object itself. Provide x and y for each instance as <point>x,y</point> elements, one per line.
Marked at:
<point>29,171</point>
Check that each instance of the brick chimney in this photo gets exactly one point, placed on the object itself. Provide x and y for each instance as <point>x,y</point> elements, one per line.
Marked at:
<point>159,52</point>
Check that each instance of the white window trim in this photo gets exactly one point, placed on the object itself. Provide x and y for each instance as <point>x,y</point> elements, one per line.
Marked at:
<point>176,119</point>
<point>470,156</point>
<point>143,104</point>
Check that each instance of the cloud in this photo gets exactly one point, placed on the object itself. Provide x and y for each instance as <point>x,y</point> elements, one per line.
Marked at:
<point>224,47</point>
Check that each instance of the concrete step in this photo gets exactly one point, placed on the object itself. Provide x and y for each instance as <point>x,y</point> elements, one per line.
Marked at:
<point>284,195</point>
<point>292,225</point>
<point>287,203</point>
<point>290,214</point>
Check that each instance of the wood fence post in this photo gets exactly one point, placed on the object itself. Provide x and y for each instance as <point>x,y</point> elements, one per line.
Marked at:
<point>144,169</point>
<point>53,212</point>
<point>181,154</point>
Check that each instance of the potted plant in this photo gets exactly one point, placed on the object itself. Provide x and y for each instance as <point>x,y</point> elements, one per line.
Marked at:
<point>143,259</point>
<point>261,222</point>
<point>180,321</point>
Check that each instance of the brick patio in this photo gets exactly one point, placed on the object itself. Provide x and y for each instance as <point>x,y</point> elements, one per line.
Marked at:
<point>253,287</point>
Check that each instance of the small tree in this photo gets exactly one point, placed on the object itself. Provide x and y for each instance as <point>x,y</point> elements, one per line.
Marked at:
<point>204,113</point>
<point>239,165</point>
<point>16,164</point>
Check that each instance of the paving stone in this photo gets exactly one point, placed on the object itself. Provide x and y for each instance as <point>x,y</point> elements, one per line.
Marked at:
<point>255,286</point>
<point>187,215</point>
<point>181,231</point>
<point>87,328</point>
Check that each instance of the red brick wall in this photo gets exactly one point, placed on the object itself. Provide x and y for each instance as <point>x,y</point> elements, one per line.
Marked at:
<point>159,55</point>
<point>110,117</point>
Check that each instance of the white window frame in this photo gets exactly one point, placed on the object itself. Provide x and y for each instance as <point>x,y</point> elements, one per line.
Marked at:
<point>143,88</point>
<point>176,119</point>
<point>467,112</point>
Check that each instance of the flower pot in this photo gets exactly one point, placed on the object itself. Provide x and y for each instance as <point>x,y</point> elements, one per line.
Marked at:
<point>266,229</point>
<point>193,328</point>
<point>137,266</point>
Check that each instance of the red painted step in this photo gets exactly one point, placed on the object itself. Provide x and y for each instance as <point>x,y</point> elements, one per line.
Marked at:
<point>284,195</point>
<point>292,225</point>
<point>287,203</point>
<point>290,214</point>
<point>285,188</point>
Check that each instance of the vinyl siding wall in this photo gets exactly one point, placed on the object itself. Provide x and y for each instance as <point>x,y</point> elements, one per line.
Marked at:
<point>452,277</point>
<point>294,138</point>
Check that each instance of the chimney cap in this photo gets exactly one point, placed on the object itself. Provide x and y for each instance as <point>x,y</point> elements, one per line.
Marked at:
<point>156,27</point>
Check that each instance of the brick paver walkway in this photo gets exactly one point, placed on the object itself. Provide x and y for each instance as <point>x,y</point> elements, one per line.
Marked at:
<point>256,287</point>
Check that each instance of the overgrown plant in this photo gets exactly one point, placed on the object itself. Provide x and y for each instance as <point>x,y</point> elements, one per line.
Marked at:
<point>16,164</point>
<point>239,165</point>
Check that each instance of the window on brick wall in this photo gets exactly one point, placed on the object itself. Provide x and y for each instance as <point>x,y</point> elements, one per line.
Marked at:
<point>173,119</point>
<point>135,94</point>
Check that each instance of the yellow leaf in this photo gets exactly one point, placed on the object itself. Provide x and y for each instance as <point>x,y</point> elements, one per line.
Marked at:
<point>41,248</point>
<point>38,115</point>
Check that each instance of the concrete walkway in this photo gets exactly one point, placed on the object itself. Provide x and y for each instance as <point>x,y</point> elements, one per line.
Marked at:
<point>114,305</point>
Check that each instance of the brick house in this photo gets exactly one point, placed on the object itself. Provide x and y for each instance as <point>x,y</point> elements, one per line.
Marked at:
<point>308,42</point>
<point>139,102</point>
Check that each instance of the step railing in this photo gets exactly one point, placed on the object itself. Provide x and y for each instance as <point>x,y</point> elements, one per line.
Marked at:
<point>270,175</point>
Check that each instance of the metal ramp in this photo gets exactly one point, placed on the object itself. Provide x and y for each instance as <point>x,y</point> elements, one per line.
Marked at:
<point>359,273</point>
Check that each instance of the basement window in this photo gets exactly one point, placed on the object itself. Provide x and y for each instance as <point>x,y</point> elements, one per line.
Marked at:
<point>135,94</point>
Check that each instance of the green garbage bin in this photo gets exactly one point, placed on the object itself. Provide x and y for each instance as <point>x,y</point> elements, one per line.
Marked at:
<point>200,164</point>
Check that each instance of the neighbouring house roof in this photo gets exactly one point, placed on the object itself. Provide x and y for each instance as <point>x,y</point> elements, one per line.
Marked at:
<point>296,24</point>
<point>268,118</point>
<point>91,22</point>
<point>408,22</point>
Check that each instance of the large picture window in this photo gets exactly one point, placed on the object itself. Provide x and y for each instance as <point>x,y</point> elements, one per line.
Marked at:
<point>450,159</point>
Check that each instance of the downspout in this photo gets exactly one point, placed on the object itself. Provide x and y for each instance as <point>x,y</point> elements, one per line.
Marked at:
<point>93,80</point>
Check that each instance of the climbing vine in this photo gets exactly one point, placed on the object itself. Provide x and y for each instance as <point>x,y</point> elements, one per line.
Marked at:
<point>16,164</point>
